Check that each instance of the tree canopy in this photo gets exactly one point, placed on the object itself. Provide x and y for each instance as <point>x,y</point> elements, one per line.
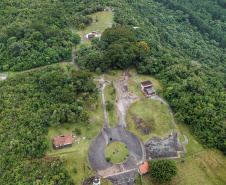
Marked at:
<point>162,170</point>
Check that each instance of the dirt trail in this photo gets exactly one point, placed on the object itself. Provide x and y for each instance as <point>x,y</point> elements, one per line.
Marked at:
<point>103,100</point>
<point>125,98</point>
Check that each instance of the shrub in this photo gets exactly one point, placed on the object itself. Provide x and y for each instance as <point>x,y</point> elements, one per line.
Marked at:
<point>162,170</point>
<point>78,131</point>
<point>76,38</point>
<point>109,105</point>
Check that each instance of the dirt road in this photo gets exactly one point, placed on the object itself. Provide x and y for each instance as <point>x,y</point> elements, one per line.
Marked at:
<point>103,82</point>
<point>125,98</point>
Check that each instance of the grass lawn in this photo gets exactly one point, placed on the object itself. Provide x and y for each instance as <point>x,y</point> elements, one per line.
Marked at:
<point>77,160</point>
<point>117,152</point>
<point>104,18</point>
<point>95,75</point>
<point>112,114</point>
<point>113,75</point>
<point>152,111</point>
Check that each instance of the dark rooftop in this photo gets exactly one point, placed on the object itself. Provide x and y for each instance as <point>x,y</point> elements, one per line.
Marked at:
<point>146,83</point>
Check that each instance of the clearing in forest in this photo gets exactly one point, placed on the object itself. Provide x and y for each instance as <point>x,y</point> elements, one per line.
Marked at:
<point>103,17</point>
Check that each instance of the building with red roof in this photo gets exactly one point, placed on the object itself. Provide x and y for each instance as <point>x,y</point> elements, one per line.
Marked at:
<point>63,141</point>
<point>144,168</point>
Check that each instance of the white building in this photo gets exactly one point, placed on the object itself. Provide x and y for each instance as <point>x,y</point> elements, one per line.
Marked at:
<point>96,181</point>
<point>3,76</point>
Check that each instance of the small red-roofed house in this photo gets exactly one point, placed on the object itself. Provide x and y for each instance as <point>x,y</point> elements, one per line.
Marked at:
<point>63,141</point>
<point>144,168</point>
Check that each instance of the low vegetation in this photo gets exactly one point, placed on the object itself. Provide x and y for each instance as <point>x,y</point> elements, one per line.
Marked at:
<point>116,152</point>
<point>110,94</point>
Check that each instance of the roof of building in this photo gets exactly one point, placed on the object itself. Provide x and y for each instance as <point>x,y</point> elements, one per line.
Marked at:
<point>144,168</point>
<point>63,139</point>
<point>150,90</point>
<point>91,35</point>
<point>146,83</point>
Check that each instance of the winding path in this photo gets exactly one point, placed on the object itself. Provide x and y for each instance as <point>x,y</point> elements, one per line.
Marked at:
<point>106,125</point>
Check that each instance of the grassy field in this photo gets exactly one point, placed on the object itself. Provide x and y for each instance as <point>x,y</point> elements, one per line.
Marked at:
<point>154,112</point>
<point>117,152</point>
<point>112,114</point>
<point>104,18</point>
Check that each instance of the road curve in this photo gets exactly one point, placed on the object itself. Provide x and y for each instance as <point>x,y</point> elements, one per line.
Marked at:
<point>97,152</point>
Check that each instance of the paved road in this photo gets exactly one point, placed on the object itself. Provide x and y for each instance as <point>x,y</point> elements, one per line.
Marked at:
<point>115,172</point>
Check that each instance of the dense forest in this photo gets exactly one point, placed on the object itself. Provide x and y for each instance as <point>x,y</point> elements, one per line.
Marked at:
<point>180,42</point>
<point>29,103</point>
<point>36,33</point>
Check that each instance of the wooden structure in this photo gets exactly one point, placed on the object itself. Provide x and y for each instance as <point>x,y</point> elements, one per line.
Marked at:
<point>63,141</point>
<point>147,88</point>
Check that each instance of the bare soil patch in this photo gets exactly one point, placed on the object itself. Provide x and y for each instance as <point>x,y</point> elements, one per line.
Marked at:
<point>166,147</point>
<point>125,98</point>
<point>145,126</point>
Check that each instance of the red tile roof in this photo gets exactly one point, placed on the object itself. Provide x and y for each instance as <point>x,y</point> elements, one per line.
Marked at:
<point>146,83</point>
<point>64,139</point>
<point>144,168</point>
